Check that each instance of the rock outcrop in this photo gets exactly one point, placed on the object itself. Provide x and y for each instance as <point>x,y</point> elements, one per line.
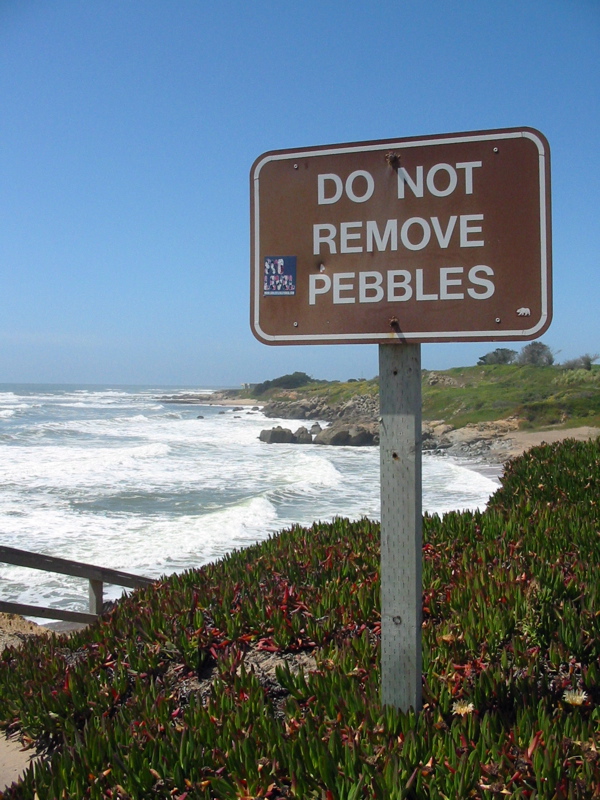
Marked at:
<point>354,422</point>
<point>277,435</point>
<point>476,440</point>
<point>303,436</point>
<point>339,433</point>
<point>357,408</point>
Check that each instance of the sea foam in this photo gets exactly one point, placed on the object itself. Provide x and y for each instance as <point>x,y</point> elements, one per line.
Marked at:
<point>122,479</point>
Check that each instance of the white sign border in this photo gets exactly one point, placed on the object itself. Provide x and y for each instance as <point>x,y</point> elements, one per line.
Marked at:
<point>374,338</point>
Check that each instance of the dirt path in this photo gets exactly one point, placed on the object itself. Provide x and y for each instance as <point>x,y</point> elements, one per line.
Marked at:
<point>517,442</point>
<point>13,759</point>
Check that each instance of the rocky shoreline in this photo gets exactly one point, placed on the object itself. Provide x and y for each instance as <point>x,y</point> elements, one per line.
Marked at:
<point>489,441</point>
<point>355,423</point>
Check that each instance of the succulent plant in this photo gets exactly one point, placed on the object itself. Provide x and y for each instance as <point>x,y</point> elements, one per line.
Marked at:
<point>258,676</point>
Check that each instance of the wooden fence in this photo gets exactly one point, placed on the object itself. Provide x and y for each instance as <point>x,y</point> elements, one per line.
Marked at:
<point>97,577</point>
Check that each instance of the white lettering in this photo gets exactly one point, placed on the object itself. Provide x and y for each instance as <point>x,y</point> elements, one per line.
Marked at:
<point>466,229</point>
<point>369,287</point>
<point>452,180</point>
<point>339,287</point>
<point>424,239</point>
<point>324,234</point>
<point>360,173</point>
<point>468,167</point>
<point>345,236</point>
<point>489,287</point>
<point>399,279</point>
<point>416,185</point>
<point>314,289</point>
<point>339,188</point>
<point>352,236</point>
<point>443,238</point>
<point>390,235</point>
<point>420,294</point>
<point>401,285</point>
<point>446,281</point>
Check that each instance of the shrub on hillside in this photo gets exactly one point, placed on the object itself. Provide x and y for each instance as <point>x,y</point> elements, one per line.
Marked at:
<point>501,355</point>
<point>536,354</point>
<point>582,363</point>
<point>292,381</point>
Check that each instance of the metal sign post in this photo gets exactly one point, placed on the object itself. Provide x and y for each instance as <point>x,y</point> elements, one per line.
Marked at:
<point>443,238</point>
<point>401,524</point>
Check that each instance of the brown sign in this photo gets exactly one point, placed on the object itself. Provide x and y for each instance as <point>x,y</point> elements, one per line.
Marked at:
<point>442,238</point>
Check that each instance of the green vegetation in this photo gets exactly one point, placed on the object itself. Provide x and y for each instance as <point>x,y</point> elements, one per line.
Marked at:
<point>158,699</point>
<point>583,362</point>
<point>538,396</point>
<point>341,391</point>
<point>292,381</point>
<point>329,391</point>
<point>536,354</point>
<point>501,355</point>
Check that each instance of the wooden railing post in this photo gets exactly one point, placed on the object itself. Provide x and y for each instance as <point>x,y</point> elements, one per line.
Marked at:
<point>95,593</point>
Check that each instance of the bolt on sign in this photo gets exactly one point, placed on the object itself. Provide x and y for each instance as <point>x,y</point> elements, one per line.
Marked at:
<point>429,239</point>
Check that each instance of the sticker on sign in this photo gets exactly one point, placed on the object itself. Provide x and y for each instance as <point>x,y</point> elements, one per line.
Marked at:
<point>437,238</point>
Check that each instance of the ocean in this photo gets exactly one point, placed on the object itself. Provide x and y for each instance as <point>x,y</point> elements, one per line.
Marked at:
<point>122,478</point>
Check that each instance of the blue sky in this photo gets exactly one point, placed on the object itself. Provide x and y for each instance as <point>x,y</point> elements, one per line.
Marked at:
<point>127,133</point>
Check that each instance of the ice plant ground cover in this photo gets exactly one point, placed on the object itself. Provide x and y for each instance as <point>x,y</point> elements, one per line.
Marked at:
<point>258,677</point>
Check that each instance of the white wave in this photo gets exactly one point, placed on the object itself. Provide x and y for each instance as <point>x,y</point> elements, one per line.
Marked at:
<point>454,487</point>
<point>145,547</point>
<point>95,404</point>
<point>311,469</point>
<point>149,451</point>
<point>121,480</point>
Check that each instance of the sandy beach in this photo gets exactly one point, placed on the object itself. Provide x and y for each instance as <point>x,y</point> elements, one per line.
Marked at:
<point>518,442</point>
